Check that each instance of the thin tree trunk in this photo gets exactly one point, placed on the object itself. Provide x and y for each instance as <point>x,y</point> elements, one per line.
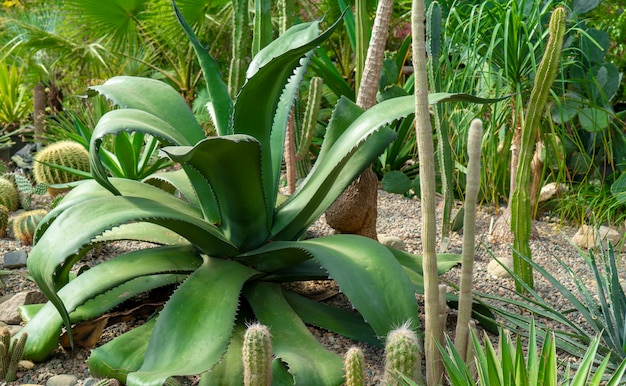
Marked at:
<point>355,210</point>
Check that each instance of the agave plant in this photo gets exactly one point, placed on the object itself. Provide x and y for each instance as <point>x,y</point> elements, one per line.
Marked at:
<point>219,233</point>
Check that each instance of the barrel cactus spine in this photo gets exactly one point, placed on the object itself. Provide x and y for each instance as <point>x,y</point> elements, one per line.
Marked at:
<point>25,224</point>
<point>4,220</point>
<point>68,154</point>
<point>8,194</point>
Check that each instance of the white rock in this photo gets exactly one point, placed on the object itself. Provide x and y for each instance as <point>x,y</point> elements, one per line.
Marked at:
<point>588,238</point>
<point>495,269</point>
<point>550,190</point>
<point>392,242</point>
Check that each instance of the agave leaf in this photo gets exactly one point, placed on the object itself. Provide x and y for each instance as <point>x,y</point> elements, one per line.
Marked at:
<point>194,328</point>
<point>346,257</point>
<point>257,104</point>
<point>122,355</point>
<point>347,152</point>
<point>229,371</point>
<point>70,238</point>
<point>155,98</point>
<point>343,322</point>
<point>307,360</point>
<point>46,325</point>
<point>117,122</point>
<point>232,167</point>
<point>172,181</point>
<point>221,106</point>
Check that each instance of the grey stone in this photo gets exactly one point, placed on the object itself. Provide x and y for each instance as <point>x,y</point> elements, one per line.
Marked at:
<point>392,241</point>
<point>62,380</point>
<point>15,259</point>
<point>9,309</point>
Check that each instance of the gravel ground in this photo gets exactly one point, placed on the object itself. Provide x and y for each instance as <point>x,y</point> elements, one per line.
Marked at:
<point>397,216</point>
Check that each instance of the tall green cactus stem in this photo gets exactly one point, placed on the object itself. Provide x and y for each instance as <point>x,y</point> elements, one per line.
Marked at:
<point>4,221</point>
<point>425,148</point>
<point>472,186</point>
<point>354,367</point>
<point>8,194</point>
<point>67,154</point>
<point>16,352</point>
<point>240,48</point>
<point>402,354</point>
<point>262,25</point>
<point>257,356</point>
<point>362,39</point>
<point>444,149</point>
<point>287,14</point>
<point>520,204</point>
<point>307,129</point>
<point>25,224</point>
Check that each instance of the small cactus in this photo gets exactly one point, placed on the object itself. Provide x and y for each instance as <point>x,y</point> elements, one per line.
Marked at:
<point>4,220</point>
<point>8,194</point>
<point>10,354</point>
<point>68,154</point>
<point>257,356</point>
<point>354,368</point>
<point>25,224</point>
<point>402,355</point>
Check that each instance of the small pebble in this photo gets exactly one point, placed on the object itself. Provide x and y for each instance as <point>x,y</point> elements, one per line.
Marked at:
<point>62,380</point>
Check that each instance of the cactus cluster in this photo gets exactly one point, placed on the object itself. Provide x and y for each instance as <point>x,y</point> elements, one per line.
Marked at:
<point>8,194</point>
<point>67,154</point>
<point>25,224</point>
<point>402,358</point>
<point>10,354</point>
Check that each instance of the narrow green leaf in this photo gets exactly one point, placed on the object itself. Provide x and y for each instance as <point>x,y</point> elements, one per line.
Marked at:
<point>221,106</point>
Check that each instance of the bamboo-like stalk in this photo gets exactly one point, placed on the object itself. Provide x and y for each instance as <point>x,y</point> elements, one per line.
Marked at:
<point>520,205</point>
<point>425,147</point>
<point>472,187</point>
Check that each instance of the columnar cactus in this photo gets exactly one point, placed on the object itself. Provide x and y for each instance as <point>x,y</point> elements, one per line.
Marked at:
<point>16,352</point>
<point>25,224</point>
<point>68,154</point>
<point>257,356</point>
<point>402,355</point>
<point>353,366</point>
<point>8,194</point>
<point>10,354</point>
<point>4,220</point>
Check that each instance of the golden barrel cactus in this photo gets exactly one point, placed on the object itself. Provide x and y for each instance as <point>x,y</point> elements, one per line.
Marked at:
<point>68,154</point>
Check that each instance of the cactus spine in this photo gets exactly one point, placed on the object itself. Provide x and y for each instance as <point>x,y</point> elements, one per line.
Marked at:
<point>25,224</point>
<point>402,355</point>
<point>353,366</point>
<point>10,354</point>
<point>4,220</point>
<point>257,356</point>
<point>520,200</point>
<point>8,194</point>
<point>472,186</point>
<point>68,154</point>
